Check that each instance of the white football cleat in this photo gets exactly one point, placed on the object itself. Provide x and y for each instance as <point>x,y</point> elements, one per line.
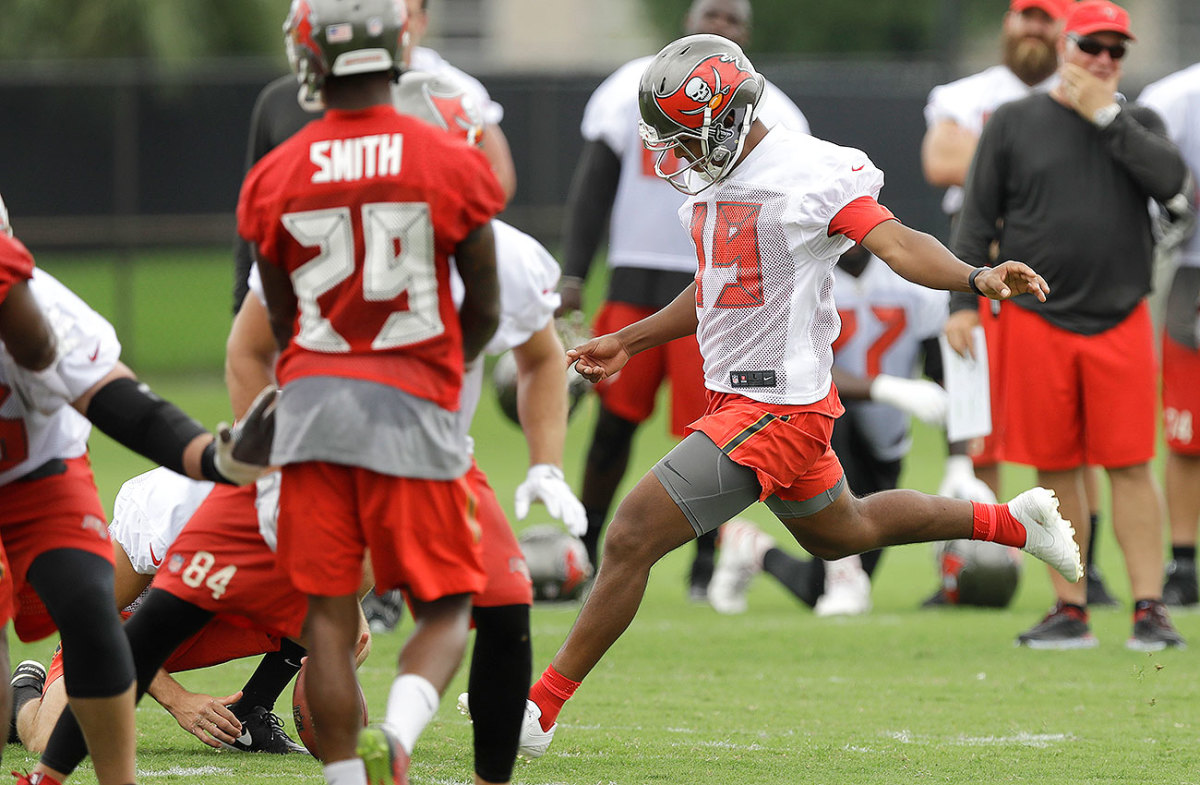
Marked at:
<point>534,741</point>
<point>847,589</point>
<point>1048,535</point>
<point>743,546</point>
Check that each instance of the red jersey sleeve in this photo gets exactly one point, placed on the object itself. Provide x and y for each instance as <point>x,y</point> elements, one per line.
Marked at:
<point>16,264</point>
<point>477,191</point>
<point>857,219</point>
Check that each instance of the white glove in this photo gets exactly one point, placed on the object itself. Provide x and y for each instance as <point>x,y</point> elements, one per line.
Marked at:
<point>921,398</point>
<point>544,483</point>
<point>960,482</point>
<point>244,449</point>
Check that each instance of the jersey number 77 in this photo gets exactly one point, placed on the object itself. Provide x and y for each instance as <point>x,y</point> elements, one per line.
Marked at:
<point>398,258</point>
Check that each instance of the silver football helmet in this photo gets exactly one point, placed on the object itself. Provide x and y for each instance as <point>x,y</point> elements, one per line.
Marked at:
<point>343,37</point>
<point>698,99</point>
<point>442,100</point>
<point>558,563</point>
<point>977,572</point>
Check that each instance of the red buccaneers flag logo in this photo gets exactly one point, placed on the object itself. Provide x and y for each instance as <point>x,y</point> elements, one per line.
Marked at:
<point>708,86</point>
<point>302,28</point>
<point>457,111</point>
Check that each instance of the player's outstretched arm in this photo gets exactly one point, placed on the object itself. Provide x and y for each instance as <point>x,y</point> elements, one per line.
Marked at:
<point>920,258</point>
<point>26,334</point>
<point>479,315</point>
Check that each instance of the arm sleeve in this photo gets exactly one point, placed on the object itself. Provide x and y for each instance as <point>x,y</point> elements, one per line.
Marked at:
<point>589,204</point>
<point>857,219</point>
<point>1137,140</point>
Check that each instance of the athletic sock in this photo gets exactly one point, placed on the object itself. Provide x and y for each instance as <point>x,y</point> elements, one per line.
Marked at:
<point>411,705</point>
<point>1078,611</point>
<point>346,772</point>
<point>274,672</point>
<point>1094,520</point>
<point>550,693</point>
<point>1183,552</point>
<point>994,523</point>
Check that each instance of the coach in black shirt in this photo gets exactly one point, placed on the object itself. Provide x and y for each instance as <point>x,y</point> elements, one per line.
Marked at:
<point>1061,182</point>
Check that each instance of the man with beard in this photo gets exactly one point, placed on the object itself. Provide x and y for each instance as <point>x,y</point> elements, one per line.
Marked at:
<point>955,115</point>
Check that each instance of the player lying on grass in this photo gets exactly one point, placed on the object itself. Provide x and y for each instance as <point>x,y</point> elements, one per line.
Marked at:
<point>771,211</point>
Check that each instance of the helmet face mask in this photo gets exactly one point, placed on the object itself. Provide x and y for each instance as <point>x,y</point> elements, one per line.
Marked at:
<point>341,38</point>
<point>698,99</point>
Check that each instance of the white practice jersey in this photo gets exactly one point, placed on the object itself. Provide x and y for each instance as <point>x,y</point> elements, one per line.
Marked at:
<point>970,101</point>
<point>34,432</point>
<point>642,231</point>
<point>428,61</point>
<point>885,319</point>
<point>1177,99</point>
<point>150,511</point>
<point>765,287</point>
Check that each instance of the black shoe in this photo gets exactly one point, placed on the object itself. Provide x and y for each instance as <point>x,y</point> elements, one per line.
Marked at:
<point>1063,628</point>
<point>1180,588</point>
<point>936,600</point>
<point>28,681</point>
<point>1097,592</point>
<point>383,611</point>
<point>1152,629</point>
<point>262,731</point>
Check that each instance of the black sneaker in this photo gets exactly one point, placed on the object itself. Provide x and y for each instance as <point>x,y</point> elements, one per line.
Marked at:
<point>383,611</point>
<point>1097,592</point>
<point>1063,628</point>
<point>28,681</point>
<point>262,731</point>
<point>1152,629</point>
<point>1180,588</point>
<point>936,600</point>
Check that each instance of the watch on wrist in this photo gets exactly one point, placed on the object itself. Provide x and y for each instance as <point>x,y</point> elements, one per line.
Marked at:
<point>1104,116</point>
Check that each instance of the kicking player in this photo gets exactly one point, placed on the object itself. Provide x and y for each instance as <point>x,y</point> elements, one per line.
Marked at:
<point>770,213</point>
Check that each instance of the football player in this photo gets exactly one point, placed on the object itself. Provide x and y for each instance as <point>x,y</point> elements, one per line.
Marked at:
<point>52,523</point>
<point>770,210</point>
<point>651,261</point>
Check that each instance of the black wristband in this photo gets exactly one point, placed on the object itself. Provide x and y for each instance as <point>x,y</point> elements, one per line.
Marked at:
<point>971,281</point>
<point>208,465</point>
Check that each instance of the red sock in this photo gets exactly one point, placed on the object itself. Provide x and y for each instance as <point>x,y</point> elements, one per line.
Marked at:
<point>550,693</point>
<point>994,523</point>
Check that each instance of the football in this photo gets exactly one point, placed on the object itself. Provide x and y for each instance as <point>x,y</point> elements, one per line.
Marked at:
<point>558,563</point>
<point>302,714</point>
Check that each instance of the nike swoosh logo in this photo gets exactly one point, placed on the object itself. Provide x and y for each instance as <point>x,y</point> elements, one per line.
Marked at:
<point>156,561</point>
<point>95,354</point>
<point>245,738</point>
<point>858,168</point>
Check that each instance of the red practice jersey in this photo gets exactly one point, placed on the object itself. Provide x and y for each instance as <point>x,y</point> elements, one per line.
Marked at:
<point>16,264</point>
<point>363,210</point>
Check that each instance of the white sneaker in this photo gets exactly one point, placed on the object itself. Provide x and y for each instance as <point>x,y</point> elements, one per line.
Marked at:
<point>743,546</point>
<point>847,589</point>
<point>534,741</point>
<point>1048,535</point>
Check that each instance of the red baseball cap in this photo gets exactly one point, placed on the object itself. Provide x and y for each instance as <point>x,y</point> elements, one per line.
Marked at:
<point>1057,9</point>
<point>1098,16</point>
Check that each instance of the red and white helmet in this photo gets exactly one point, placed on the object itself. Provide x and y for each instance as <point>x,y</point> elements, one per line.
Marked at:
<point>700,89</point>
<point>341,38</point>
<point>442,100</point>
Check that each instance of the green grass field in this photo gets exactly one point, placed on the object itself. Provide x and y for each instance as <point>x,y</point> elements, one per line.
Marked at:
<point>688,696</point>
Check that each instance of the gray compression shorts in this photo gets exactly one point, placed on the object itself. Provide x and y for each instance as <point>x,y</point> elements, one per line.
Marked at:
<point>710,487</point>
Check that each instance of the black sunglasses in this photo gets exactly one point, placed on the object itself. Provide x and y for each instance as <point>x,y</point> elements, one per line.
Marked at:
<point>1090,46</point>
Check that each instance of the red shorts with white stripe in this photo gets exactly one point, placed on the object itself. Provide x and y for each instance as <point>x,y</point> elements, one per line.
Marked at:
<point>423,534</point>
<point>46,514</point>
<point>631,394</point>
<point>1181,396</point>
<point>786,446</point>
<point>508,581</point>
<point>220,563</point>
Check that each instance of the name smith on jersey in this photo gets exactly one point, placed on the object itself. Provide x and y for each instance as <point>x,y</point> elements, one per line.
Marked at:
<point>347,160</point>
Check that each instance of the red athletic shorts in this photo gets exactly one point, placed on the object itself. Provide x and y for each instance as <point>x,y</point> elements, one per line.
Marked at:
<point>1181,396</point>
<point>218,642</point>
<point>6,589</point>
<point>220,563</point>
<point>508,580</point>
<point>988,451</point>
<point>423,534</point>
<point>1078,399</point>
<point>786,446</point>
<point>60,511</point>
<point>631,393</point>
